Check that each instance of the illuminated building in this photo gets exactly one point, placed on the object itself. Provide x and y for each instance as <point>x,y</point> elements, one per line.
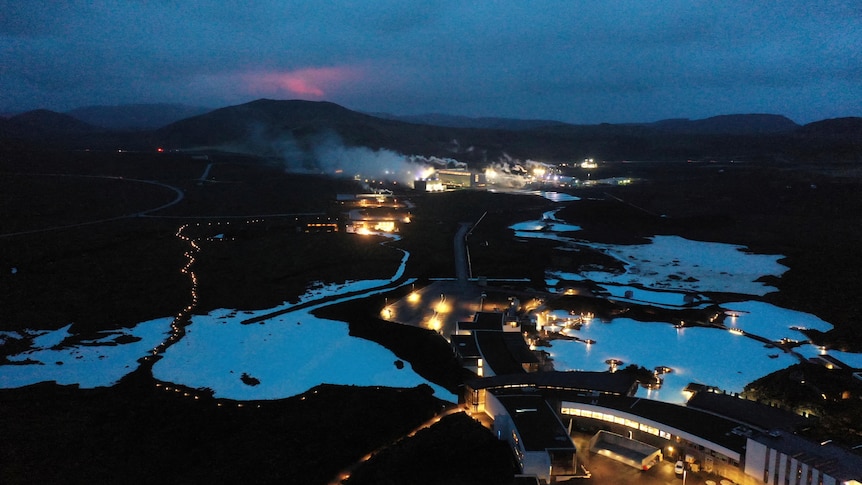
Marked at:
<point>490,345</point>
<point>374,212</point>
<point>540,443</point>
<point>783,457</point>
<point>450,179</point>
<point>461,179</point>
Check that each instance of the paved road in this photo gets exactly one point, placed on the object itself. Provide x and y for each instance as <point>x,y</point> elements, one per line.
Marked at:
<point>462,263</point>
<point>179,196</point>
<point>440,305</point>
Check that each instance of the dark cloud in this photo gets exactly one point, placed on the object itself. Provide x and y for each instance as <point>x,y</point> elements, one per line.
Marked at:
<point>574,61</point>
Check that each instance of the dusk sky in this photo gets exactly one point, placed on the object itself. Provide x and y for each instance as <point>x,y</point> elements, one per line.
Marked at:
<point>575,61</point>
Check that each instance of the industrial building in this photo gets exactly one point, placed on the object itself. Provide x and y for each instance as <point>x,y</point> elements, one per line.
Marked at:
<point>374,212</point>
<point>451,179</point>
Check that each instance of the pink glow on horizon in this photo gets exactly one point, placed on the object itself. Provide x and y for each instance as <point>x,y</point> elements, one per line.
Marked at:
<point>313,82</point>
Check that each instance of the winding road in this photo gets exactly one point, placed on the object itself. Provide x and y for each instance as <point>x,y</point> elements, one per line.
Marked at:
<point>177,199</point>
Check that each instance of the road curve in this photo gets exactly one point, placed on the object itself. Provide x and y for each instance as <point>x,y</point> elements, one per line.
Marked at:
<point>179,197</point>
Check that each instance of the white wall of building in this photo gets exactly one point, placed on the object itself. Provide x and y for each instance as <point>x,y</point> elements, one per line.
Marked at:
<point>775,468</point>
<point>536,463</point>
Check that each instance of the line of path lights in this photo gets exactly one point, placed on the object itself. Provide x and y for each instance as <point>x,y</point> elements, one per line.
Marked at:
<point>344,475</point>
<point>197,394</point>
<point>183,317</point>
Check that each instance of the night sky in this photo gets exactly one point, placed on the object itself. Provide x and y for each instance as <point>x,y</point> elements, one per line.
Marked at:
<point>571,60</point>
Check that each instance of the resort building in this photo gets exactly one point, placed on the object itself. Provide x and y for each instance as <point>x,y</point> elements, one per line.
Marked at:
<point>736,444</point>
<point>491,344</point>
<point>781,457</point>
<point>705,441</point>
<point>549,385</point>
<point>541,445</point>
<point>536,412</point>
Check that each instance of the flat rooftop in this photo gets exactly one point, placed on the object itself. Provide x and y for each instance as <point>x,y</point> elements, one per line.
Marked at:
<point>538,425</point>
<point>505,352</point>
<point>710,427</point>
<point>465,346</point>
<point>744,411</point>
<point>826,457</point>
<point>576,381</point>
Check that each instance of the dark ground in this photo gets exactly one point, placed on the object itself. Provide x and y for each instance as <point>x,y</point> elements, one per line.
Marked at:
<point>135,432</point>
<point>119,273</point>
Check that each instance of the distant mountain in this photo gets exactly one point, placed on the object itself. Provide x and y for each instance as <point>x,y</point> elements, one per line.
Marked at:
<point>453,121</point>
<point>131,117</point>
<point>833,139</point>
<point>267,127</point>
<point>42,123</point>
<point>294,129</point>
<point>836,127</point>
<point>739,124</point>
<point>49,129</point>
<point>274,128</point>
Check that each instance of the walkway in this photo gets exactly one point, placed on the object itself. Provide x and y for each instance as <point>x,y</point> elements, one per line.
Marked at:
<point>345,474</point>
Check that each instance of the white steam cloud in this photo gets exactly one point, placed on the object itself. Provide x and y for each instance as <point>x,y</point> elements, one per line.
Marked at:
<point>333,157</point>
<point>329,155</point>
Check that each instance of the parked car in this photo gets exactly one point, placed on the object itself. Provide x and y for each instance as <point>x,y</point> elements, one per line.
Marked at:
<point>679,467</point>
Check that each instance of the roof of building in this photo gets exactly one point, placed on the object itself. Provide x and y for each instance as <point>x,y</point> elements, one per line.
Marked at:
<point>537,424</point>
<point>827,359</point>
<point>465,346</point>
<point>452,171</point>
<point>576,381</point>
<point>491,319</point>
<point>826,457</point>
<point>477,326</point>
<point>710,427</point>
<point>745,411</point>
<point>504,352</point>
<point>484,321</point>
